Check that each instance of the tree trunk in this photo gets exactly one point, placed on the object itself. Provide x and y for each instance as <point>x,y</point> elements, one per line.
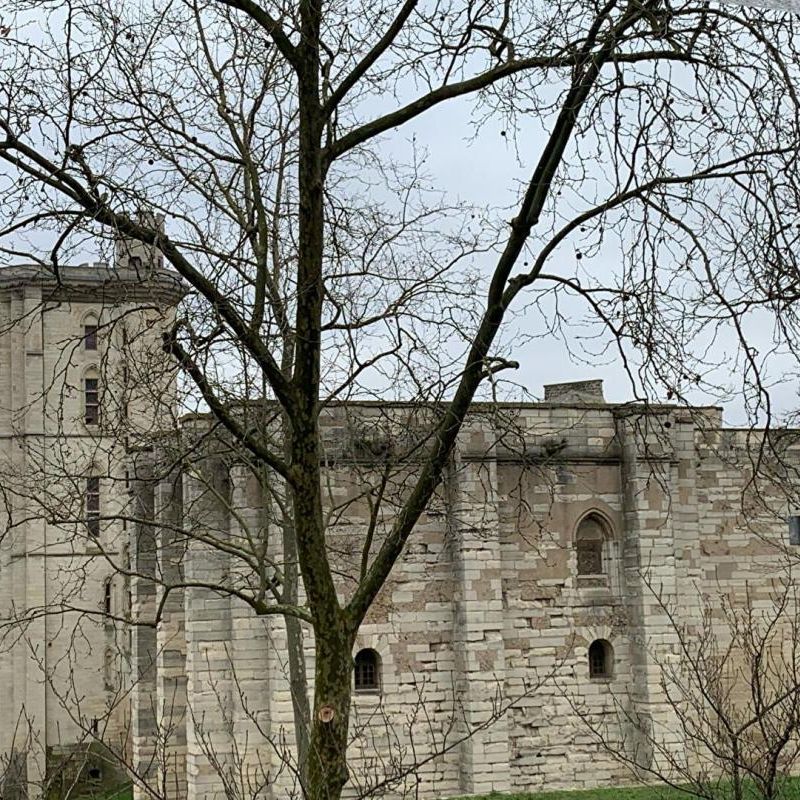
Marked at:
<point>737,778</point>
<point>298,678</point>
<point>326,769</point>
<point>298,681</point>
<point>327,764</point>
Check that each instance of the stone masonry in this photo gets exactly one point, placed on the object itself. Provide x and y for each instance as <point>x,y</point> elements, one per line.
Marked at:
<point>483,631</point>
<point>481,637</point>
<point>66,676</point>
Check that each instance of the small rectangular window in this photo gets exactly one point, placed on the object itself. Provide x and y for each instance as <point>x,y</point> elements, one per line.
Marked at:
<point>794,530</point>
<point>126,379</point>
<point>90,337</point>
<point>91,401</point>
<point>92,503</point>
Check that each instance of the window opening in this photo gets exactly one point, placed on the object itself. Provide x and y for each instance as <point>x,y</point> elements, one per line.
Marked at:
<point>601,656</point>
<point>90,337</point>
<point>107,596</point>
<point>125,385</point>
<point>794,530</point>
<point>91,400</point>
<point>93,505</point>
<point>367,671</point>
<point>589,543</point>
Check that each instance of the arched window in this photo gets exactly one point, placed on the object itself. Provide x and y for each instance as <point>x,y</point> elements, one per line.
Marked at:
<point>367,671</point>
<point>589,542</point>
<point>91,502</point>
<point>601,659</point>
<point>91,399</point>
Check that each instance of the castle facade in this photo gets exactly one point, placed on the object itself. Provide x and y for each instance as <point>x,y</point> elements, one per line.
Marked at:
<point>529,637</point>
<point>526,640</point>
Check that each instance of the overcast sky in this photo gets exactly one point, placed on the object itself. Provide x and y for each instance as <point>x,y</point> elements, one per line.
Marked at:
<point>483,168</point>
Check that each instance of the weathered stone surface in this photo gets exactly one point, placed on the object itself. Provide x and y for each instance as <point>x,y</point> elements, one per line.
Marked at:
<point>485,619</point>
<point>483,630</point>
<point>67,677</point>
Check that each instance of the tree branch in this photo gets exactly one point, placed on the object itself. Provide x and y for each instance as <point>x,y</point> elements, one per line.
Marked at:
<point>370,58</point>
<point>270,25</point>
<point>444,438</point>
<point>220,411</point>
<point>402,115</point>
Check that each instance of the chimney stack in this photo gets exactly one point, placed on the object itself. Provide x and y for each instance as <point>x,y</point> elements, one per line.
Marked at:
<point>574,392</point>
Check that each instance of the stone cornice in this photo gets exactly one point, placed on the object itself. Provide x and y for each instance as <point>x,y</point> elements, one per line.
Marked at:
<point>99,283</point>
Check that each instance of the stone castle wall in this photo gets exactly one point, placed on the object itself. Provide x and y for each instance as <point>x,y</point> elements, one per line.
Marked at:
<point>484,614</point>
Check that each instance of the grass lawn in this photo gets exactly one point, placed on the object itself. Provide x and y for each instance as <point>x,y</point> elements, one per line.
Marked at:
<point>790,790</point>
<point>120,793</point>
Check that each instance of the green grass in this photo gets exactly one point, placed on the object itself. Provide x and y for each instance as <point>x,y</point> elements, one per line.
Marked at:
<point>615,793</point>
<point>790,790</point>
<point>120,793</point>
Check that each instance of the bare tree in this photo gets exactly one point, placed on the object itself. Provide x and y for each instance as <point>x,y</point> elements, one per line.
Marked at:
<point>733,688</point>
<point>322,268</point>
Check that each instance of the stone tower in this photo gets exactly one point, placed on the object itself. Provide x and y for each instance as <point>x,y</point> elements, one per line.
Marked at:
<point>82,376</point>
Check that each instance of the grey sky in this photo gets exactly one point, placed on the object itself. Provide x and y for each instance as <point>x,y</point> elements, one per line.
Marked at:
<point>486,170</point>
